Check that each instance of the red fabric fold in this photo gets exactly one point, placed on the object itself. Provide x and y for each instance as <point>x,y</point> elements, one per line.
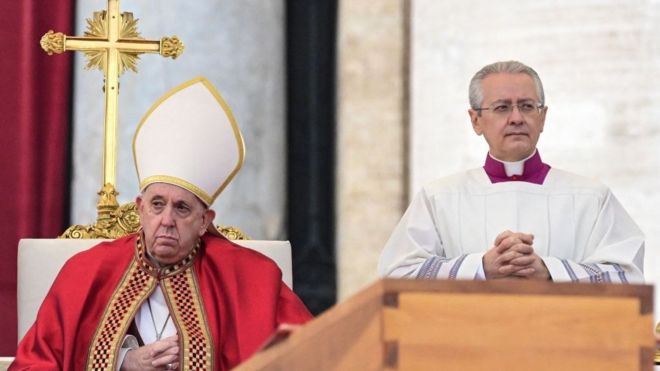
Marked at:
<point>242,291</point>
<point>35,92</point>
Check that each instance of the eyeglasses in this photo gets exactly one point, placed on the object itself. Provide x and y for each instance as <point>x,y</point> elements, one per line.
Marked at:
<point>527,108</point>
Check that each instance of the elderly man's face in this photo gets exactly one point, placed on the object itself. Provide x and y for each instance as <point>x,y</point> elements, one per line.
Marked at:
<point>512,135</point>
<point>172,219</point>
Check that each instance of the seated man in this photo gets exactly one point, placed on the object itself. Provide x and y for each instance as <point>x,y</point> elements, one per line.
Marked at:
<point>515,218</point>
<point>176,294</point>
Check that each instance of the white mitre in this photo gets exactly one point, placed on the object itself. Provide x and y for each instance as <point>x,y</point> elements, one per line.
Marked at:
<point>189,138</point>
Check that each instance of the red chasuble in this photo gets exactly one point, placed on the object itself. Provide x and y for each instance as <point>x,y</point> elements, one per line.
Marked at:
<point>226,300</point>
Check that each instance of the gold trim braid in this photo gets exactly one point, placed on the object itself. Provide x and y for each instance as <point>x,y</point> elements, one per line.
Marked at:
<point>135,286</point>
<point>188,314</point>
<point>186,307</point>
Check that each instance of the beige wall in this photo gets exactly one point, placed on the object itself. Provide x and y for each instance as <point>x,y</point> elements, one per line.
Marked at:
<point>372,121</point>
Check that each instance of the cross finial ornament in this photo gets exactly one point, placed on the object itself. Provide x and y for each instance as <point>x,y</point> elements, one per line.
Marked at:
<point>111,44</point>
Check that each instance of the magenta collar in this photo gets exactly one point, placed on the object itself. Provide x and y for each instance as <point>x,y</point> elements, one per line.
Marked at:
<point>534,170</point>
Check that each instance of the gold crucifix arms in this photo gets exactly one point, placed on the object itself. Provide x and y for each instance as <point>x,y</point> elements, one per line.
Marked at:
<point>125,39</point>
<point>111,44</point>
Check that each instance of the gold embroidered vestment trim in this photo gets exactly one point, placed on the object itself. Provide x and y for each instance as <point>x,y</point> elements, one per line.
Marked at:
<point>182,294</point>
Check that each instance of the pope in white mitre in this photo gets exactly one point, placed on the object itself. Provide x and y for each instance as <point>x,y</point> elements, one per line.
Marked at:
<point>176,295</point>
<point>516,217</point>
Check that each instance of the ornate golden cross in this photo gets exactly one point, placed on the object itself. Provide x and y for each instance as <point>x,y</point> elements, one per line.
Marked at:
<point>112,44</point>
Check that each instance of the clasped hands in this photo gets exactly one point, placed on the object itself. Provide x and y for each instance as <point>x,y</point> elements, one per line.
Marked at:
<point>161,355</point>
<point>512,257</point>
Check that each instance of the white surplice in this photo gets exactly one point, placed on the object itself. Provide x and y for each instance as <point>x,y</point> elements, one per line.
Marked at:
<point>580,229</point>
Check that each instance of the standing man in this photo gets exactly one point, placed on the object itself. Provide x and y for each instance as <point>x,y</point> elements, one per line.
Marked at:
<point>176,294</point>
<point>516,217</point>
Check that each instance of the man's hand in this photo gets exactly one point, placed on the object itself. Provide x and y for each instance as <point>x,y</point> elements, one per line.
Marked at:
<point>154,356</point>
<point>509,256</point>
<point>540,271</point>
<point>512,257</point>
